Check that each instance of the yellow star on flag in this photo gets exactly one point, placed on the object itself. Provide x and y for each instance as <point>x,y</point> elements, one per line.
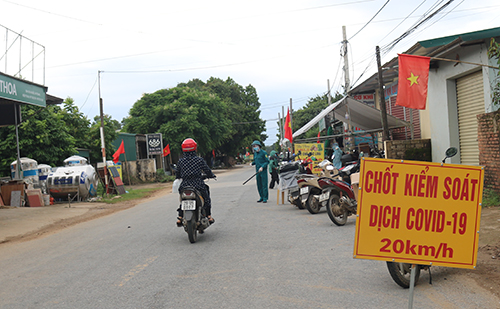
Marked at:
<point>413,79</point>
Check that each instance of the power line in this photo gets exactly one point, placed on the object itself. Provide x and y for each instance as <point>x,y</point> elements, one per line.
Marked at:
<point>370,19</point>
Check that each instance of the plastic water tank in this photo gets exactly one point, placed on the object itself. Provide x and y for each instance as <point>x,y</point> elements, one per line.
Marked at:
<point>29,170</point>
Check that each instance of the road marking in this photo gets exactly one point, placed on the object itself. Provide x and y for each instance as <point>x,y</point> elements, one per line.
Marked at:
<point>207,274</point>
<point>134,271</point>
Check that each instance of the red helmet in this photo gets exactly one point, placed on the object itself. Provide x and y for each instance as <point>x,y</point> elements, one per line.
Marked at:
<point>189,145</point>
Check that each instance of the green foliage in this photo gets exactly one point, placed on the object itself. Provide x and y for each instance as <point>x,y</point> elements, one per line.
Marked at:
<point>313,107</point>
<point>52,134</point>
<point>490,198</point>
<point>207,112</point>
<point>494,53</point>
<point>77,123</point>
<point>111,126</point>
<point>43,136</point>
<point>161,176</point>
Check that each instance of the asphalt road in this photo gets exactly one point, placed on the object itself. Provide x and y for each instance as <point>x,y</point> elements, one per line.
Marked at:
<point>255,256</point>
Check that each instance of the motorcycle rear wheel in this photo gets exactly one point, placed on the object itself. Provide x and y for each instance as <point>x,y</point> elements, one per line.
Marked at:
<point>192,231</point>
<point>312,206</point>
<point>334,207</point>
<point>401,273</point>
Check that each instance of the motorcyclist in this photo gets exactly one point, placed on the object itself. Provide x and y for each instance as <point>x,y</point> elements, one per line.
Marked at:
<point>260,161</point>
<point>189,169</point>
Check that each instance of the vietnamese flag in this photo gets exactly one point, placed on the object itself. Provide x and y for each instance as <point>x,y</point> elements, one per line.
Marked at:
<point>117,154</point>
<point>288,127</point>
<point>319,134</point>
<point>413,78</point>
<point>166,150</point>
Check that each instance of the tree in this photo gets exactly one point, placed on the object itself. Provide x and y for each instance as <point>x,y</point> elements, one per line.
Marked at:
<point>313,107</point>
<point>218,114</point>
<point>77,123</point>
<point>494,53</point>
<point>179,113</point>
<point>111,126</point>
<point>43,136</point>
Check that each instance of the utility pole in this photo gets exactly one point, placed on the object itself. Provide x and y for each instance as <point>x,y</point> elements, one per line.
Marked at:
<point>346,62</point>
<point>103,145</point>
<point>383,110</point>
<point>279,130</point>
<point>282,123</point>
<point>347,88</point>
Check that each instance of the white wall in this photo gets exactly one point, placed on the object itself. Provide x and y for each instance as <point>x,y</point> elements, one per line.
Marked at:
<point>442,101</point>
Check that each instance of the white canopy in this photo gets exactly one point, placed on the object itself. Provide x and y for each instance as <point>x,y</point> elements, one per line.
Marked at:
<point>362,116</point>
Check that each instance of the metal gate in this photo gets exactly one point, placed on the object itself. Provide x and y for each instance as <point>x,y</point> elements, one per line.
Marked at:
<point>470,103</point>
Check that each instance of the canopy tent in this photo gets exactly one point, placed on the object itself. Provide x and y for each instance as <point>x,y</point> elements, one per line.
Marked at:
<point>362,116</point>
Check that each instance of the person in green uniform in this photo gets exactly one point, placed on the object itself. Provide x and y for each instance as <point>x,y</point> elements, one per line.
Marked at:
<point>273,169</point>
<point>261,162</point>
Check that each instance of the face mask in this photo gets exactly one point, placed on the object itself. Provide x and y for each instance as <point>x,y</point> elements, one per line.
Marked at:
<point>256,149</point>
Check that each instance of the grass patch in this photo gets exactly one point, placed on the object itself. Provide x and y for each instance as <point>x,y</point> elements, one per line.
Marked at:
<point>133,194</point>
<point>490,198</point>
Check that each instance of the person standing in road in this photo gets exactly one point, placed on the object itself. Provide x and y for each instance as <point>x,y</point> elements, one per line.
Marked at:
<point>261,162</point>
<point>273,169</point>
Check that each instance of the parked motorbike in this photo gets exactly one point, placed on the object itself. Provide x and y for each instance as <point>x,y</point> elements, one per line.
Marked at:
<point>341,199</point>
<point>310,189</point>
<point>194,218</point>
<point>401,272</point>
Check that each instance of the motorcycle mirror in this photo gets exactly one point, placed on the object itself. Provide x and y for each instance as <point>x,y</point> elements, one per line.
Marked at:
<point>450,152</point>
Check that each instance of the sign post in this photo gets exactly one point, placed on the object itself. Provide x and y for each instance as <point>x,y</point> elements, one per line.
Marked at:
<point>154,144</point>
<point>419,212</point>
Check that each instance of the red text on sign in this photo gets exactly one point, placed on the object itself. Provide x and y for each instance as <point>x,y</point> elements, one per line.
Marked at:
<point>399,246</point>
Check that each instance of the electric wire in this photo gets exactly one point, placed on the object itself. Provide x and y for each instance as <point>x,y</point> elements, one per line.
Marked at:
<point>370,20</point>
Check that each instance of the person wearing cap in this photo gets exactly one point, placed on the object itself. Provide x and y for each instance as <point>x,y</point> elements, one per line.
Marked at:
<point>189,169</point>
<point>261,162</point>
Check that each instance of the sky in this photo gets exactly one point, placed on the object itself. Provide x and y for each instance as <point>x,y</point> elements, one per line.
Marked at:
<point>288,50</point>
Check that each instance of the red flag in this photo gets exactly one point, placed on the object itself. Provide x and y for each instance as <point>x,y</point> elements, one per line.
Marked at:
<point>117,154</point>
<point>319,134</point>
<point>288,127</point>
<point>213,153</point>
<point>166,150</point>
<point>413,78</point>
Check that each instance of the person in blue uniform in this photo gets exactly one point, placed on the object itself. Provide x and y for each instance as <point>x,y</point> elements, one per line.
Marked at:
<point>189,168</point>
<point>261,162</point>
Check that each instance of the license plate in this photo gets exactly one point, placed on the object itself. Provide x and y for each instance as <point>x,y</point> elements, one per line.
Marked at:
<point>323,197</point>
<point>304,190</point>
<point>188,205</point>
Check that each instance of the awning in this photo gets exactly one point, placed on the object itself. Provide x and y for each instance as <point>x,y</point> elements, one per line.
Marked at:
<point>362,116</point>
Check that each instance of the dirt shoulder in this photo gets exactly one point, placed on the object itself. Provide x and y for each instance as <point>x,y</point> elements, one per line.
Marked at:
<point>487,272</point>
<point>25,223</point>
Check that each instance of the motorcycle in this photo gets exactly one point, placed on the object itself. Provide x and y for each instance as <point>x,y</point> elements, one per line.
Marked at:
<point>310,188</point>
<point>401,272</point>
<point>341,198</point>
<point>194,219</point>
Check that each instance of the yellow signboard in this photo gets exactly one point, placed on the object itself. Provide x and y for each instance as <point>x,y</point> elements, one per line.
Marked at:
<point>316,150</point>
<point>419,212</point>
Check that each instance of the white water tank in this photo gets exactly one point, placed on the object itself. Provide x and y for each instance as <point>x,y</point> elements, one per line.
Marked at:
<point>29,170</point>
<point>77,177</point>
